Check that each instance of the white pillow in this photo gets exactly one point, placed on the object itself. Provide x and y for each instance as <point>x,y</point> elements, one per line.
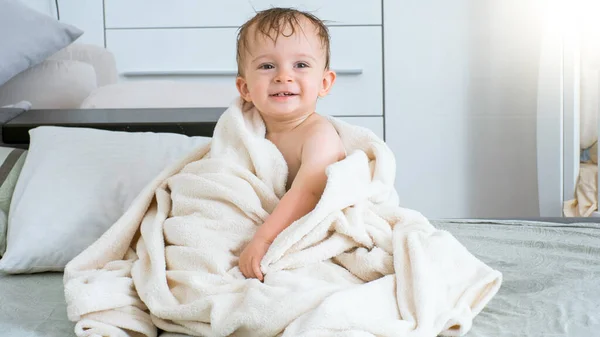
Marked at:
<point>161,94</point>
<point>75,184</point>
<point>51,84</point>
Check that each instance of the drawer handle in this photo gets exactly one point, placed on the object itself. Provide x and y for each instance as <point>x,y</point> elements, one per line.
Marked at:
<point>209,72</point>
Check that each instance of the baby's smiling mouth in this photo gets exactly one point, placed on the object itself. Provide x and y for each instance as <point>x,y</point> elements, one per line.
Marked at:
<point>283,94</point>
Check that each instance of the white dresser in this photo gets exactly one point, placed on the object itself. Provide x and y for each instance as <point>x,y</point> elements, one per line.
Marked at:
<point>194,40</point>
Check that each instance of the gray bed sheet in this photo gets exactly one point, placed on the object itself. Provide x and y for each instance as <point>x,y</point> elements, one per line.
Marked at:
<point>551,283</point>
<point>551,276</point>
<point>33,306</point>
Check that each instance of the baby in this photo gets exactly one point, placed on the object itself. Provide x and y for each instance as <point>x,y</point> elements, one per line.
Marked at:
<point>283,68</point>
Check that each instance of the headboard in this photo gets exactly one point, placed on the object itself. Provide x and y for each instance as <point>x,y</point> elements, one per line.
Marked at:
<point>16,123</point>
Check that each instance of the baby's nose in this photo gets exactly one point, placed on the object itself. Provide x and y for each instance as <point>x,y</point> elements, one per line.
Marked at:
<point>283,77</point>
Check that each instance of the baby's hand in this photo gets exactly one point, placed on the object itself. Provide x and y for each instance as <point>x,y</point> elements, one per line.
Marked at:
<point>252,255</point>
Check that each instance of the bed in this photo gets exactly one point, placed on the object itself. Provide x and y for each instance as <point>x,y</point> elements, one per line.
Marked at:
<point>550,283</point>
<point>550,271</point>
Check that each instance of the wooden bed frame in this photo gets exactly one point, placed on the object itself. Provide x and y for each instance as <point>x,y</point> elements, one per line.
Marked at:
<point>187,121</point>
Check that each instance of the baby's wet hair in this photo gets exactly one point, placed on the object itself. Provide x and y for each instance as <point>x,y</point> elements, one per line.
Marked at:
<point>272,23</point>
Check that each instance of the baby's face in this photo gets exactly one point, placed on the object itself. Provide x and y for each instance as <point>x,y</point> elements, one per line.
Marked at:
<point>284,79</point>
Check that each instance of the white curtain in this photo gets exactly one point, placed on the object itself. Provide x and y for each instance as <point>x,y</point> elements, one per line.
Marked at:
<point>590,74</point>
<point>584,27</point>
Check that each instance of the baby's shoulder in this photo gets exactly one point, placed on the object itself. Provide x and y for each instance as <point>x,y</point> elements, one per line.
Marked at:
<point>320,127</point>
<point>321,137</point>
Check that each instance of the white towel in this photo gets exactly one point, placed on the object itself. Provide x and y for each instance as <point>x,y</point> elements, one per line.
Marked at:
<point>357,265</point>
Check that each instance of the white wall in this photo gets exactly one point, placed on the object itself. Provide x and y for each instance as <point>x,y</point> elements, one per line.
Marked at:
<point>460,102</point>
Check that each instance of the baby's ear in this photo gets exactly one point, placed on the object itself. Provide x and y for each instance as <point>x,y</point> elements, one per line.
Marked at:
<point>242,87</point>
<point>328,80</point>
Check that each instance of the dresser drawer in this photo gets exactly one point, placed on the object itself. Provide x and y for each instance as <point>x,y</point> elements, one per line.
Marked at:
<point>208,55</point>
<point>230,13</point>
<point>375,124</point>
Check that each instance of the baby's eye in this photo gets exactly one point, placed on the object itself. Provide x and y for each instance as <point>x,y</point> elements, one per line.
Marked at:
<point>266,66</point>
<point>302,65</point>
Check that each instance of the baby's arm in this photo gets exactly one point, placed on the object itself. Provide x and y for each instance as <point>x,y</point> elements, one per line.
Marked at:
<point>321,148</point>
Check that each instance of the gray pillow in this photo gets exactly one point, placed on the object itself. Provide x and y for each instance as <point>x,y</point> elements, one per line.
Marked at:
<point>28,37</point>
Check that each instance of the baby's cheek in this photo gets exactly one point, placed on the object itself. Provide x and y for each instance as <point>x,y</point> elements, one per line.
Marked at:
<point>257,87</point>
